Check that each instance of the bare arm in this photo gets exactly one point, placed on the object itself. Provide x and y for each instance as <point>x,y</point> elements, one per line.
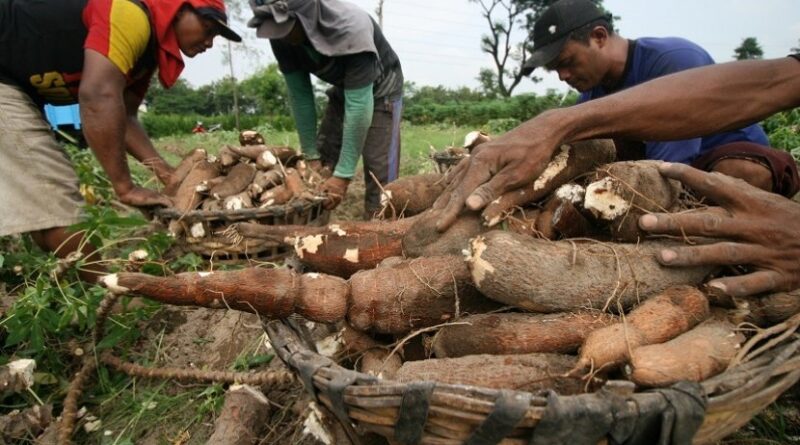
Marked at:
<point>104,119</point>
<point>139,144</point>
<point>691,103</point>
<point>683,105</point>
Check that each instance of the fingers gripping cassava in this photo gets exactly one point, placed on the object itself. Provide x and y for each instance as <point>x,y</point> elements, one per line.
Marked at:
<point>518,333</point>
<point>413,294</point>
<point>560,276</point>
<point>337,249</point>
<point>274,293</point>
<point>570,161</point>
<point>703,352</point>
<point>661,318</point>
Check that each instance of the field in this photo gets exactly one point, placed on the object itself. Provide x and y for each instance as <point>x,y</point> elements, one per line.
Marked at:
<point>47,314</point>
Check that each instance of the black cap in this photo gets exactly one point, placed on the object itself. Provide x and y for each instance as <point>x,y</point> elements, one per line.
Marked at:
<point>553,28</point>
<point>222,22</point>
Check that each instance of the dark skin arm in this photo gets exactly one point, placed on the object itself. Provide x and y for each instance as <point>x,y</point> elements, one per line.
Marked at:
<point>138,143</point>
<point>680,106</point>
<point>104,117</point>
<point>763,228</point>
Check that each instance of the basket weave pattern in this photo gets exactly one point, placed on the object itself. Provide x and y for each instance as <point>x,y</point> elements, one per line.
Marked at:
<point>765,368</point>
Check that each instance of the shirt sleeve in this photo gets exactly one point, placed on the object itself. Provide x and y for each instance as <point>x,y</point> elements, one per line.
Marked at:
<point>119,30</point>
<point>684,151</point>
<point>360,70</point>
<point>678,60</point>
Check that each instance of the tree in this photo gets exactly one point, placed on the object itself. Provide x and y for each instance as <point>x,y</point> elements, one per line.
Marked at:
<point>510,22</point>
<point>749,49</point>
<point>796,49</point>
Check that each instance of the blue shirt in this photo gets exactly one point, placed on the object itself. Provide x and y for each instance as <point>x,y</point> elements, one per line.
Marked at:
<point>649,58</point>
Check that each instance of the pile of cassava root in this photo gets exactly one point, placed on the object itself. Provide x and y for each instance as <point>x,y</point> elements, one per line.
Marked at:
<point>554,286</point>
<point>252,175</point>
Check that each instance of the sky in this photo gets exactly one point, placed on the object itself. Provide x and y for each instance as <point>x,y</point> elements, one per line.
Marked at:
<point>438,41</point>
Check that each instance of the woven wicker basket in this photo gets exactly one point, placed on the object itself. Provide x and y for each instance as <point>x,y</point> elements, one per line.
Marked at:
<point>220,247</point>
<point>766,367</point>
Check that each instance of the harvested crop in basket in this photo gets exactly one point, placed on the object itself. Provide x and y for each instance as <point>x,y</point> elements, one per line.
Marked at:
<point>274,293</point>
<point>411,195</point>
<point>517,333</point>
<point>703,352</point>
<point>663,317</point>
<point>413,294</point>
<point>624,191</point>
<point>563,276</point>
<point>338,249</point>
<point>525,372</point>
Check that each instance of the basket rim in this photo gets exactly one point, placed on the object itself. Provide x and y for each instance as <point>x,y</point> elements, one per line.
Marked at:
<point>758,380</point>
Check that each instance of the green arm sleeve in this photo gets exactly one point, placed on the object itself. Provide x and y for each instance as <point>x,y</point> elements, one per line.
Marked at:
<point>301,101</point>
<point>358,107</point>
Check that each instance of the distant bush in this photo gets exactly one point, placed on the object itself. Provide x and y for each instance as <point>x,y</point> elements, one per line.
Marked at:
<point>479,112</point>
<point>783,130</point>
<point>160,125</point>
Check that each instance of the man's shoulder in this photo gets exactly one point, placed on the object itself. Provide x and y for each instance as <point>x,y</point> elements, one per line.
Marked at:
<point>660,45</point>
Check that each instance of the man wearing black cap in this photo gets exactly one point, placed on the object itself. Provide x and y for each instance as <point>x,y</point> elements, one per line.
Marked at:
<point>102,55</point>
<point>340,44</point>
<point>575,39</point>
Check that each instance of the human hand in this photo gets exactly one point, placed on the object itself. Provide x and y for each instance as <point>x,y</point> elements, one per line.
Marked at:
<point>334,190</point>
<point>760,230</point>
<point>142,197</point>
<point>494,168</point>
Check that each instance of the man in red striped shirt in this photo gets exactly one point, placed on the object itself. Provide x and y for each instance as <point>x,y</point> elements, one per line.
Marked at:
<point>101,54</point>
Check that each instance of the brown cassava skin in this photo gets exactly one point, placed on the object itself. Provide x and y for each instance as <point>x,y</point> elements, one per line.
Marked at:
<point>251,152</point>
<point>411,195</point>
<point>414,294</point>
<point>340,249</point>
<point>370,356</point>
<point>582,157</point>
<point>294,182</point>
<point>773,308</point>
<point>227,157</point>
<point>240,199</point>
<point>526,372</point>
<point>640,184</point>
<point>186,196</point>
<point>518,333</point>
<point>424,240</point>
<point>183,169</point>
<point>569,222</point>
<point>274,293</point>
<point>242,418</point>
<point>237,180</point>
<point>661,318</point>
<point>562,276</point>
<point>250,137</point>
<point>276,196</point>
<point>703,352</point>
<point>544,222</point>
<point>523,221</point>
